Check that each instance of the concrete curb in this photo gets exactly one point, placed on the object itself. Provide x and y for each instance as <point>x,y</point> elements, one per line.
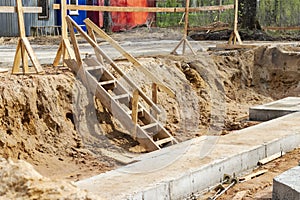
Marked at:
<point>190,173</point>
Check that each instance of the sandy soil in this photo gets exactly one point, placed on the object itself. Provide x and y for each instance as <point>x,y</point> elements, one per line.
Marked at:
<point>38,114</point>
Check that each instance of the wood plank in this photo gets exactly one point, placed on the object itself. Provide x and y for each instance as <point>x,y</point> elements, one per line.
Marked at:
<point>121,96</point>
<point>3,70</point>
<point>252,175</point>
<point>210,28</point>
<point>17,59</point>
<point>144,9</point>
<point>134,105</point>
<point>69,51</point>
<point>75,44</point>
<point>13,9</point>
<point>63,11</point>
<point>270,158</point>
<point>58,55</point>
<point>148,126</point>
<point>154,93</point>
<point>163,141</point>
<point>21,18</point>
<point>186,21</point>
<point>24,58</point>
<point>32,56</point>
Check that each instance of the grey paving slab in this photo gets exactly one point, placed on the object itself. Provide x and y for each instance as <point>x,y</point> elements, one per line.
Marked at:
<point>286,186</point>
<point>275,109</point>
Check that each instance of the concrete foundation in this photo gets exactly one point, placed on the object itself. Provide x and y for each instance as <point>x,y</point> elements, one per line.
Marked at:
<point>193,166</point>
<point>286,186</point>
<point>275,109</point>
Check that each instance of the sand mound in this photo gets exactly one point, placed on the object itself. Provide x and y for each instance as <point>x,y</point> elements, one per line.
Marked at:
<point>19,180</point>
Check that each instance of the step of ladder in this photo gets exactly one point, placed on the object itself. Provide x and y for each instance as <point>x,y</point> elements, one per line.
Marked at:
<point>150,126</point>
<point>109,82</point>
<point>164,141</point>
<point>121,96</point>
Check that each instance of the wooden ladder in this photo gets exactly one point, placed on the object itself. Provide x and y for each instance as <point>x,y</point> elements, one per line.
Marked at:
<point>124,105</point>
<point>122,102</point>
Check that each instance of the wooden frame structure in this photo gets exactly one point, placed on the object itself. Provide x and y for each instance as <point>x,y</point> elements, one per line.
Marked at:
<point>123,104</point>
<point>64,52</point>
<point>184,40</point>
<point>24,49</point>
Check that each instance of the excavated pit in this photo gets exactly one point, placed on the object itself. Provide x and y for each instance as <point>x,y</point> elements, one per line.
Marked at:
<point>53,123</point>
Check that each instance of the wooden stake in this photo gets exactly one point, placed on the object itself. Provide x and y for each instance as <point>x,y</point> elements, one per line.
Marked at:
<point>235,36</point>
<point>184,40</point>
<point>64,51</point>
<point>75,44</point>
<point>24,48</point>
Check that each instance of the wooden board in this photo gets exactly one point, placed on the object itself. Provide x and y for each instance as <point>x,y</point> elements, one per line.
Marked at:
<point>270,158</point>
<point>3,70</point>
<point>143,9</point>
<point>253,175</point>
<point>12,9</point>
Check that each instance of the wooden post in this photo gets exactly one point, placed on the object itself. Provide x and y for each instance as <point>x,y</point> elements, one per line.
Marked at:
<point>75,44</point>
<point>235,36</point>
<point>24,48</point>
<point>64,51</point>
<point>154,93</point>
<point>134,106</point>
<point>184,40</point>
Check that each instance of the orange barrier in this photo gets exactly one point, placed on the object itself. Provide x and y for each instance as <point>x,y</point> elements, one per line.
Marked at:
<point>125,20</point>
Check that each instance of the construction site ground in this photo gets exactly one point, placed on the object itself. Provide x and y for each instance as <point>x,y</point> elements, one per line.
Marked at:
<point>216,87</point>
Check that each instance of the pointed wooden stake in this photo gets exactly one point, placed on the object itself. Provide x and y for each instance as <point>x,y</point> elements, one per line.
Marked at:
<point>24,48</point>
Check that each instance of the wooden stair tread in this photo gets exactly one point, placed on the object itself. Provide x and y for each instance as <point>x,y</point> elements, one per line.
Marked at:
<point>163,141</point>
<point>121,96</point>
<point>91,68</point>
<point>148,126</point>
<point>139,110</point>
<point>107,82</point>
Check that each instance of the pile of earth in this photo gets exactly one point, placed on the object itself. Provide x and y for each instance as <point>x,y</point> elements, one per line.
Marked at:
<point>19,180</point>
<point>252,35</point>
